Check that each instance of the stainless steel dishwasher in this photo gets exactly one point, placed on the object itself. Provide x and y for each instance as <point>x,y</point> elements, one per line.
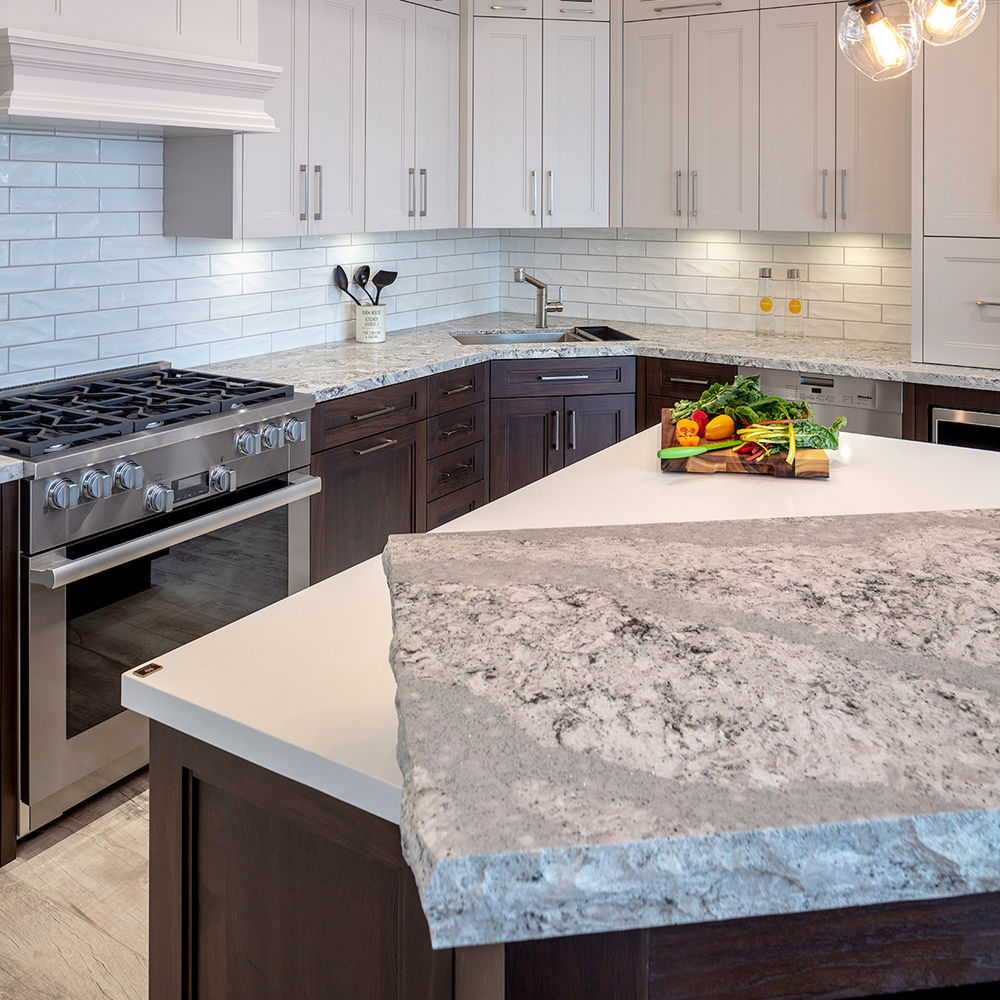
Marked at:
<point>872,406</point>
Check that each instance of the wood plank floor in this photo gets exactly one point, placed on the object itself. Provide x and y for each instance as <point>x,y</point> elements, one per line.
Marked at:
<point>73,904</point>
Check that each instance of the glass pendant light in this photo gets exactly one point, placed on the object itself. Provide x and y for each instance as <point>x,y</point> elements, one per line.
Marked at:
<point>881,37</point>
<point>946,21</point>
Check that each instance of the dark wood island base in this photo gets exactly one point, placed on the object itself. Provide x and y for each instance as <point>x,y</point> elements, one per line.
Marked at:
<point>262,887</point>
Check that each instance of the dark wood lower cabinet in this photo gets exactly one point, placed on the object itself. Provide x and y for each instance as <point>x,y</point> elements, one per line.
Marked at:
<point>919,400</point>
<point>372,488</point>
<point>665,381</point>
<point>594,423</point>
<point>9,666</point>
<point>526,436</point>
<point>455,505</point>
<point>261,887</point>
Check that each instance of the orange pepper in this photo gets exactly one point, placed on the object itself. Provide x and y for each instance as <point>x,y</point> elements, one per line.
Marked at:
<point>688,434</point>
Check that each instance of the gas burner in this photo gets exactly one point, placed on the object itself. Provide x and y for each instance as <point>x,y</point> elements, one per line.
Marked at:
<point>56,415</point>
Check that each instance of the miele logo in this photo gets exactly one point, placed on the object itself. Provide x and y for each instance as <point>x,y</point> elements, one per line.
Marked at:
<point>869,399</point>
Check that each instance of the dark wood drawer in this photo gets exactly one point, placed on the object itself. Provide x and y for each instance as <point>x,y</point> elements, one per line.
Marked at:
<point>655,405</point>
<point>684,379</point>
<point>451,390</point>
<point>449,431</point>
<point>338,421</point>
<point>562,376</point>
<point>456,504</point>
<point>451,472</point>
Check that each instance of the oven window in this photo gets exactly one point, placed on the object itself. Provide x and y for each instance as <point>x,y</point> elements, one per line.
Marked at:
<point>148,607</point>
<point>968,435</point>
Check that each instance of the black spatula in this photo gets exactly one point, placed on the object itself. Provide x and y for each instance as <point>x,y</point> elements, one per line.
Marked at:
<point>383,279</point>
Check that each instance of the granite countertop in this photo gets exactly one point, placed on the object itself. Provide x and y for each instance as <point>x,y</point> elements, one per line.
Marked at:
<point>613,728</point>
<point>11,468</point>
<point>346,367</point>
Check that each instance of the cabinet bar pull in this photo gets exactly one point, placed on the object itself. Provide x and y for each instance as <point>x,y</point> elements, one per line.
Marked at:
<point>534,192</point>
<point>561,378</point>
<point>825,172</point>
<point>685,6</point>
<point>304,174</point>
<point>468,387</point>
<point>570,10</point>
<point>689,381</point>
<point>464,467</point>
<point>319,194</point>
<point>458,428</point>
<point>413,193</point>
<point>555,430</point>
<point>571,434</point>
<point>843,194</point>
<point>505,6</point>
<point>387,443</point>
<point>984,302</point>
<point>552,191</point>
<point>423,192</point>
<point>694,194</point>
<point>677,191</point>
<point>374,413</point>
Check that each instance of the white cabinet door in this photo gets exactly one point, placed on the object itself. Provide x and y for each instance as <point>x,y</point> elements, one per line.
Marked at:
<point>274,188</point>
<point>390,173</point>
<point>798,117</point>
<point>873,151</point>
<point>576,123</point>
<point>336,99</point>
<point>437,119</point>
<point>962,133</point>
<point>958,274</point>
<point>655,124</point>
<point>723,121</point>
<point>507,122</point>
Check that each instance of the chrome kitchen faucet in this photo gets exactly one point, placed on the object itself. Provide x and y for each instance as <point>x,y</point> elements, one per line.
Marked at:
<point>544,305</point>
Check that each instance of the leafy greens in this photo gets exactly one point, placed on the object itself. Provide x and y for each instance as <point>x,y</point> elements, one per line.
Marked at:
<point>743,401</point>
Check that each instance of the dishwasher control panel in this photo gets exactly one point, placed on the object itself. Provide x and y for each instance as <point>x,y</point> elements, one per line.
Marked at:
<point>835,390</point>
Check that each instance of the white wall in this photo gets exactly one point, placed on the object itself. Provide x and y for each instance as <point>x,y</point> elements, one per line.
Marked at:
<point>88,282</point>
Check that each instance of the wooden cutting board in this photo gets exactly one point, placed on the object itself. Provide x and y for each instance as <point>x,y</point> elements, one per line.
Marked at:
<point>810,463</point>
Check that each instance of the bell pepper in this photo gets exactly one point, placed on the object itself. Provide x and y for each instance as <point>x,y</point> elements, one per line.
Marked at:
<point>688,435</point>
<point>701,418</point>
<point>719,428</point>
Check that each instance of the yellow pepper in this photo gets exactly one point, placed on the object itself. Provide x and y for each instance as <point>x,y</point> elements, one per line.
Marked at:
<point>688,435</point>
<point>719,428</point>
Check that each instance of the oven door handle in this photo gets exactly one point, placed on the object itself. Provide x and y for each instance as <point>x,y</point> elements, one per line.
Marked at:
<point>53,571</point>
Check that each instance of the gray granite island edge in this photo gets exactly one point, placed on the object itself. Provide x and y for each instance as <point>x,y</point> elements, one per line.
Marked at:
<point>841,762</point>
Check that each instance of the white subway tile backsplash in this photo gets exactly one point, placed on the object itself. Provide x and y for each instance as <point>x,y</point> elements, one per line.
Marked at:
<point>131,199</point>
<point>26,279</point>
<point>240,305</point>
<point>143,293</point>
<point>99,175</point>
<point>194,311</point>
<point>135,247</point>
<point>109,272</point>
<point>95,323</point>
<point>29,356</point>
<point>26,331</point>
<point>54,251</point>
<point>54,147</point>
<point>20,227</point>
<point>24,173</point>
<point>158,269</point>
<point>136,341</point>
<point>207,333</point>
<point>240,263</point>
<point>131,151</point>
<point>54,199</point>
<point>96,224</point>
<point>52,303</point>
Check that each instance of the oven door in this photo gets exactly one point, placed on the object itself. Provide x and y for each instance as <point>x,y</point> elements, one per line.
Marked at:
<point>965,428</point>
<point>94,612</point>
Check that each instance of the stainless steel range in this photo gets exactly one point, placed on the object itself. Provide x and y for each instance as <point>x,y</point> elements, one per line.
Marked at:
<point>158,505</point>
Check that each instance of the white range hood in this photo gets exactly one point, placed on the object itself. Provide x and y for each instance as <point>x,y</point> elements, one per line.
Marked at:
<point>53,81</point>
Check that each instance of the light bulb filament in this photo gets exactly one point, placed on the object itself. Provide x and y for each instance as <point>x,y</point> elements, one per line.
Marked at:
<point>888,47</point>
<point>942,18</point>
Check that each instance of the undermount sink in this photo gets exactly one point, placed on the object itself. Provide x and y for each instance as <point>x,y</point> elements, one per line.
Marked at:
<point>578,335</point>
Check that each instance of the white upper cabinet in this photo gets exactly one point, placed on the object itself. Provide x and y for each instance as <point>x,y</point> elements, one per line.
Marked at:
<point>655,124</point>
<point>412,117</point>
<point>872,190</point>
<point>576,123</point>
<point>390,172</point>
<point>962,133</point>
<point>437,119</point>
<point>507,122</point>
<point>723,125</point>
<point>797,118</point>
<point>638,10</point>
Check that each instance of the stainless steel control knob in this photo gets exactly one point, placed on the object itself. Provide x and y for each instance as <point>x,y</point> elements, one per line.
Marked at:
<point>96,485</point>
<point>128,476</point>
<point>159,499</point>
<point>248,443</point>
<point>61,494</point>
<point>295,430</point>
<point>222,479</point>
<point>272,437</point>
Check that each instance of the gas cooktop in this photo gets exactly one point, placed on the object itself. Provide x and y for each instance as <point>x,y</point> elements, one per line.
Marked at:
<point>54,416</point>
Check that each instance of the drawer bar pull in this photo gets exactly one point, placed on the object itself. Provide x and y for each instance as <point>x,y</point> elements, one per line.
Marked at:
<point>506,6</point>
<point>464,467</point>
<point>562,378</point>
<point>459,388</point>
<point>685,6</point>
<point>984,302</point>
<point>571,436</point>
<point>458,428</point>
<point>387,443</point>
<point>374,413</point>
<point>689,381</point>
<point>555,430</point>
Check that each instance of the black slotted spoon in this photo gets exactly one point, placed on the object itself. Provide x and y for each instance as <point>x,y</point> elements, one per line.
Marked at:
<point>361,276</point>
<point>383,279</point>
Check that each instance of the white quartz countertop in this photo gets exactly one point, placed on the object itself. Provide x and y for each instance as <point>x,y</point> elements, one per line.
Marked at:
<point>304,687</point>
<point>343,368</point>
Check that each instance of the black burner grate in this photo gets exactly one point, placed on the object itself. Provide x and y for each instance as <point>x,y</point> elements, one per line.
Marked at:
<point>69,414</point>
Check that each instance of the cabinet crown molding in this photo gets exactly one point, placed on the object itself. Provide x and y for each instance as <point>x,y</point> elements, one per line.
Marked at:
<point>57,81</point>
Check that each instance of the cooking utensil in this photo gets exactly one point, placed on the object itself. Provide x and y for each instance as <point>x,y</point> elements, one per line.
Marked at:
<point>696,449</point>
<point>383,279</point>
<point>361,276</point>
<point>340,280</point>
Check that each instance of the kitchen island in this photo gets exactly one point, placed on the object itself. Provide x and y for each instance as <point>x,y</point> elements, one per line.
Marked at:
<point>275,739</point>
